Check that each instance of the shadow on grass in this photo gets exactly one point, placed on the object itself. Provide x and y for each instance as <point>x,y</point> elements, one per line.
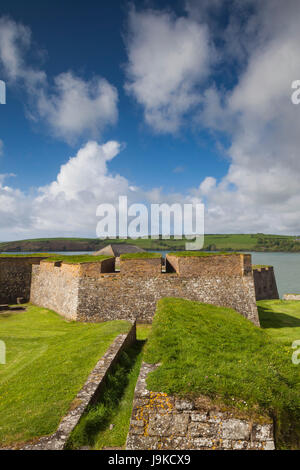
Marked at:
<point>270,319</point>
<point>97,417</point>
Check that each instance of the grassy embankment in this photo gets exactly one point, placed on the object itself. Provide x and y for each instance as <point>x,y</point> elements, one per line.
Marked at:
<point>78,259</point>
<point>222,242</point>
<point>48,361</point>
<point>232,361</point>
<point>145,255</point>
<point>106,424</point>
<point>227,359</point>
<point>69,259</point>
<point>199,254</point>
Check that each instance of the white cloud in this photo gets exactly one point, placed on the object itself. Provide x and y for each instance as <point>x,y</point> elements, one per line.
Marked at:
<point>261,189</point>
<point>15,42</point>
<point>82,184</point>
<point>77,106</point>
<point>168,58</point>
<point>72,107</point>
<point>68,204</point>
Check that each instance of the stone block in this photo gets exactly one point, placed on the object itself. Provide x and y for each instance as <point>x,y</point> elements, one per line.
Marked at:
<point>160,425</point>
<point>180,424</point>
<point>198,429</point>
<point>184,405</point>
<point>236,429</point>
<point>263,432</point>
<point>202,417</point>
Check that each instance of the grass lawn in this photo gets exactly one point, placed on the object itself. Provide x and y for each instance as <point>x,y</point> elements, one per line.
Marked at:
<point>70,259</point>
<point>199,254</point>
<point>48,360</point>
<point>226,358</point>
<point>145,255</point>
<point>115,406</point>
<point>78,259</point>
<point>281,320</point>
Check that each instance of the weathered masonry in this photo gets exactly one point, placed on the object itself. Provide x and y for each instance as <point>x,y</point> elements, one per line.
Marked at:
<point>291,297</point>
<point>94,291</point>
<point>265,283</point>
<point>160,421</point>
<point>15,277</point>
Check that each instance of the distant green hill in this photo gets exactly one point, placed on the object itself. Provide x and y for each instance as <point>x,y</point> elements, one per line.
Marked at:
<point>213,242</point>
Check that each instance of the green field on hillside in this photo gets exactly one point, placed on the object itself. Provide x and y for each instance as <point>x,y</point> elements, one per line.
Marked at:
<point>48,361</point>
<point>225,242</point>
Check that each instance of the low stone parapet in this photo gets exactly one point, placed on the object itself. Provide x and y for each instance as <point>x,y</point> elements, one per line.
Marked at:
<point>291,297</point>
<point>15,277</point>
<point>140,266</point>
<point>209,264</point>
<point>265,283</point>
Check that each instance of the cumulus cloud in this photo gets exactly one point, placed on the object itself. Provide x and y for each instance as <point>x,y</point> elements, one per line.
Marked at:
<point>68,204</point>
<point>166,73</point>
<point>15,43</point>
<point>71,106</point>
<point>261,189</point>
<point>168,58</point>
<point>96,99</point>
<point>15,211</point>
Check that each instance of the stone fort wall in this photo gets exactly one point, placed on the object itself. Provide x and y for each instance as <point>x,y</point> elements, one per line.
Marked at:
<point>96,292</point>
<point>55,286</point>
<point>265,283</point>
<point>88,292</point>
<point>15,277</point>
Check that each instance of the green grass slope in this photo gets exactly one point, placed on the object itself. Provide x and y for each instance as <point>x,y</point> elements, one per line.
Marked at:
<point>214,351</point>
<point>48,361</point>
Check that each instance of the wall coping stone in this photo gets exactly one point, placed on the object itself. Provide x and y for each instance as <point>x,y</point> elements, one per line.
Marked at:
<point>291,297</point>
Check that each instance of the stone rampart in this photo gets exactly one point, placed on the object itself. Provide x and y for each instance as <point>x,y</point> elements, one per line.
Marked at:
<point>218,265</point>
<point>95,292</point>
<point>265,283</point>
<point>140,266</point>
<point>15,277</point>
<point>86,292</point>
<point>55,286</point>
<point>120,296</point>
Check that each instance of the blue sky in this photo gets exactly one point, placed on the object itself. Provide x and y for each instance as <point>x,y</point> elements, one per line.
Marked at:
<point>194,94</point>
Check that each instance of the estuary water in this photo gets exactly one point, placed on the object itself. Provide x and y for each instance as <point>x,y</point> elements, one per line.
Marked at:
<point>286,266</point>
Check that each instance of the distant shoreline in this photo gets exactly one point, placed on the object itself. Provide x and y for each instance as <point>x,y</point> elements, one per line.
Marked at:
<point>259,243</point>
